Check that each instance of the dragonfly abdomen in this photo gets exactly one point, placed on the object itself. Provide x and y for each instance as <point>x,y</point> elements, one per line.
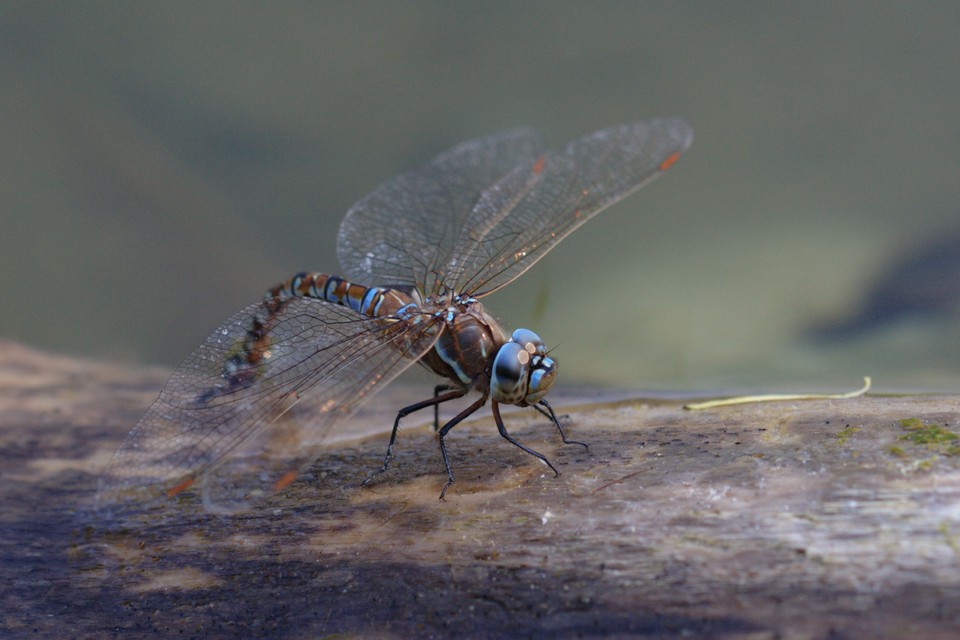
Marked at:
<point>368,301</point>
<point>258,344</point>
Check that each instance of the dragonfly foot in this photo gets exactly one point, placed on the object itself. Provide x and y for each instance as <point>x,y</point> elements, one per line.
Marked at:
<point>376,474</point>
<point>550,413</point>
<point>445,487</point>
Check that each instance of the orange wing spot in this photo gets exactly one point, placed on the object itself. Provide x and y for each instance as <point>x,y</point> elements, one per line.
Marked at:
<point>284,481</point>
<point>180,487</point>
<point>538,166</point>
<point>669,161</point>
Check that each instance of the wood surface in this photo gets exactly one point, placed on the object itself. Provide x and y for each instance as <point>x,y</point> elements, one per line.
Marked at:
<point>803,519</point>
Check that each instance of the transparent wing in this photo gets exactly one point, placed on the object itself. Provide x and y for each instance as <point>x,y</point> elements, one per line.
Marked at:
<point>518,219</point>
<point>324,362</point>
<point>405,231</point>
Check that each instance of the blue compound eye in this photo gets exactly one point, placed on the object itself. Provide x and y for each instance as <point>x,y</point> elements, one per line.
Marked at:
<point>508,380</point>
<point>522,373</point>
<point>542,376</point>
<point>529,341</point>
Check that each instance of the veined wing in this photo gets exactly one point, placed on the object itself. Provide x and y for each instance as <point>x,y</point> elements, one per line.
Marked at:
<point>405,231</point>
<point>526,213</point>
<point>323,362</point>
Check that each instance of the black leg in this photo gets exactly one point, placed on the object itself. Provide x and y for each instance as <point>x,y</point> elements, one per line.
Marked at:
<point>556,421</point>
<point>452,394</point>
<point>460,417</point>
<point>542,411</point>
<point>495,407</point>
<point>437,390</point>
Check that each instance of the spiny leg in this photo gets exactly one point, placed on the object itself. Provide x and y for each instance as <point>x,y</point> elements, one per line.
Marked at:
<point>437,390</point>
<point>495,407</point>
<point>556,421</point>
<point>460,417</point>
<point>452,394</point>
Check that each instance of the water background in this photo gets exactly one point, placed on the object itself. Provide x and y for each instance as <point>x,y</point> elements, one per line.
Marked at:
<point>163,164</point>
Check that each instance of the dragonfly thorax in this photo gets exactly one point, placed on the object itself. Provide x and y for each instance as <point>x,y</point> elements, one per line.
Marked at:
<point>470,340</point>
<point>522,372</point>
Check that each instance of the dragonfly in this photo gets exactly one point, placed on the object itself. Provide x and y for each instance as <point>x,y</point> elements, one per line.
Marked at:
<point>418,254</point>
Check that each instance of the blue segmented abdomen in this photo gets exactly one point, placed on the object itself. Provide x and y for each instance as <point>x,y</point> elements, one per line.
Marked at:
<point>367,301</point>
<point>242,367</point>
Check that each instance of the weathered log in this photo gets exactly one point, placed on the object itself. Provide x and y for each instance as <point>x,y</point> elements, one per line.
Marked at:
<point>828,518</point>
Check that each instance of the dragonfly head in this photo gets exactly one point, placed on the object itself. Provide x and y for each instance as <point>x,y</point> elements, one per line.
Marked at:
<point>522,371</point>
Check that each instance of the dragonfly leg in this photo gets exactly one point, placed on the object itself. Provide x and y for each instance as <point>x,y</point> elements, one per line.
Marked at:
<point>553,418</point>
<point>437,390</point>
<point>495,407</point>
<point>460,417</point>
<point>452,394</point>
<point>543,412</point>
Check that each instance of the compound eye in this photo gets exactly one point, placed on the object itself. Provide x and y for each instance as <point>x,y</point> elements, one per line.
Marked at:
<point>529,341</point>
<point>542,377</point>
<point>508,379</point>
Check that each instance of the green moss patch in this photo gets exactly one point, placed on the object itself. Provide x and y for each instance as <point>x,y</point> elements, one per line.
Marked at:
<point>933,436</point>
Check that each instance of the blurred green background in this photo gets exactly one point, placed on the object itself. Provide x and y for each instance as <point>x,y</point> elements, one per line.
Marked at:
<point>163,164</point>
